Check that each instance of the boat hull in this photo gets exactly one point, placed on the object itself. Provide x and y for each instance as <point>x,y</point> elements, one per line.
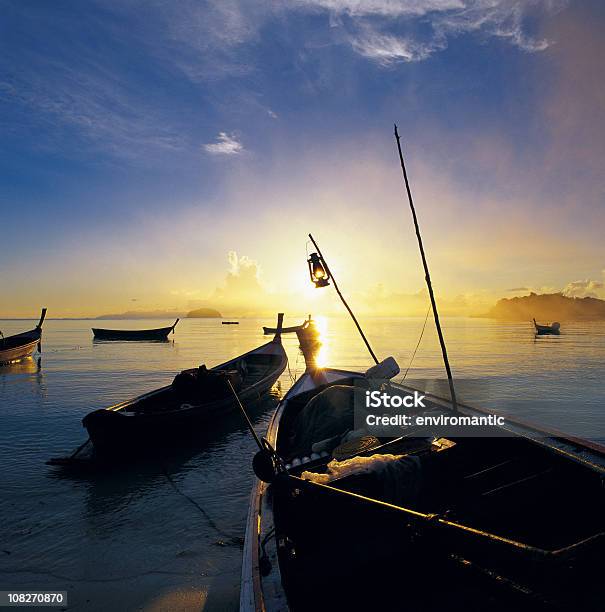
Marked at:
<point>16,354</point>
<point>131,335</point>
<point>542,331</point>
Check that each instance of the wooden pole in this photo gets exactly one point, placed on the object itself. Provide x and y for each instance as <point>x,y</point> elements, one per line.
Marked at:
<point>427,277</point>
<point>344,301</point>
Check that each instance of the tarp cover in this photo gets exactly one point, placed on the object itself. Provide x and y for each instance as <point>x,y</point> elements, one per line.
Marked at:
<point>327,415</point>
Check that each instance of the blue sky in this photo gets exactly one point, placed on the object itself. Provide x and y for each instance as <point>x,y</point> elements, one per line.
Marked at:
<point>142,142</point>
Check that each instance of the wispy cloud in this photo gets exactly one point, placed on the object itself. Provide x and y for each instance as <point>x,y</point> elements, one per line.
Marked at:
<point>387,49</point>
<point>99,105</point>
<point>391,31</point>
<point>210,40</point>
<point>226,144</point>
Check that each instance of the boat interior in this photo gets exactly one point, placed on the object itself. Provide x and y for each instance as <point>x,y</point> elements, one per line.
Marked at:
<point>495,503</point>
<point>248,371</point>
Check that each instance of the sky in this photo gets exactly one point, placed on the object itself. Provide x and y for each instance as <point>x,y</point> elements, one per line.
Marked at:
<point>167,155</point>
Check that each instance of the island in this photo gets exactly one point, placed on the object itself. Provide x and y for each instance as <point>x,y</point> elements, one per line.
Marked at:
<point>204,313</point>
<point>548,307</point>
<point>142,314</point>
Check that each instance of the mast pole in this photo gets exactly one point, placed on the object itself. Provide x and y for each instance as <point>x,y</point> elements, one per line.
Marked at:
<point>344,301</point>
<point>427,277</point>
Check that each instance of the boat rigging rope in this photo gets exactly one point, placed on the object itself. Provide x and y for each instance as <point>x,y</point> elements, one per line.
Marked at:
<point>417,345</point>
<point>292,378</point>
<point>208,518</point>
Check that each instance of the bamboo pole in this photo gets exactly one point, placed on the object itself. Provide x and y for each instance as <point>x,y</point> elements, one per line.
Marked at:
<point>427,277</point>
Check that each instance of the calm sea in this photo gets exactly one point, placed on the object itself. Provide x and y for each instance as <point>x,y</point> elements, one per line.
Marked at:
<point>126,538</point>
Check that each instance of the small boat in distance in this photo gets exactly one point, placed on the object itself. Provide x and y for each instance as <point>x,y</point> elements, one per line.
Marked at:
<point>230,322</point>
<point>289,330</point>
<point>547,329</point>
<point>18,347</point>
<point>161,333</point>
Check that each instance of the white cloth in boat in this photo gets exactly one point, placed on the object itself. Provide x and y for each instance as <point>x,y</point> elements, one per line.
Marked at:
<point>397,478</point>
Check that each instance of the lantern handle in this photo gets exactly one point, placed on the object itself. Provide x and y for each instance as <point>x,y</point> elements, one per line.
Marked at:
<point>329,273</point>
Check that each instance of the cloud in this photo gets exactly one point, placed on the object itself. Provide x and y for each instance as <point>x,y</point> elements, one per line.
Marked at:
<point>387,8</point>
<point>583,288</point>
<point>226,144</point>
<point>391,31</point>
<point>386,48</point>
<point>212,39</point>
<point>241,290</point>
<point>517,289</point>
<point>99,106</point>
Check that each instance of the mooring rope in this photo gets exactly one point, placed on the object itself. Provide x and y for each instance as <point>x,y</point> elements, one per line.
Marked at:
<point>417,345</point>
<point>208,518</point>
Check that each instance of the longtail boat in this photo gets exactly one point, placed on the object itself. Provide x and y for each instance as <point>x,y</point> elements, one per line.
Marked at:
<point>289,330</point>
<point>20,346</point>
<point>160,333</point>
<point>197,395</point>
<point>554,328</point>
<point>512,519</point>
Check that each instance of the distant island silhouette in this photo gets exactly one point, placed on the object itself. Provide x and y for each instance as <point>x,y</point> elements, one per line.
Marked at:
<point>204,313</point>
<point>143,314</point>
<point>547,307</point>
<point>200,313</point>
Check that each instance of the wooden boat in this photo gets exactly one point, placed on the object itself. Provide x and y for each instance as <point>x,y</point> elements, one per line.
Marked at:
<point>18,347</point>
<point>230,322</point>
<point>547,329</point>
<point>493,522</point>
<point>161,333</point>
<point>287,330</point>
<point>159,416</point>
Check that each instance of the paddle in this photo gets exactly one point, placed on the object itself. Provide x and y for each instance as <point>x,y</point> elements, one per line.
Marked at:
<point>266,463</point>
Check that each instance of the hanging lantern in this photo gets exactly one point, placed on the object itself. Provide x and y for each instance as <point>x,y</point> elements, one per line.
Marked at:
<point>318,272</point>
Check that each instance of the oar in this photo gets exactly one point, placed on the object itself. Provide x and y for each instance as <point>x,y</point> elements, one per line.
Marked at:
<point>244,414</point>
<point>266,463</point>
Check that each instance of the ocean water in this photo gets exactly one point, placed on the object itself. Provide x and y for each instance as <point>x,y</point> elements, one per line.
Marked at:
<point>128,538</point>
